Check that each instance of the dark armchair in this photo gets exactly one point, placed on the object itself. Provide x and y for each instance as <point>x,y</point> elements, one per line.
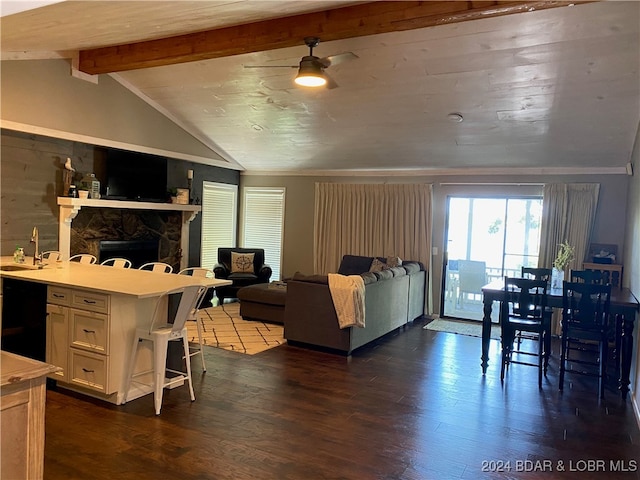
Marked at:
<point>243,266</point>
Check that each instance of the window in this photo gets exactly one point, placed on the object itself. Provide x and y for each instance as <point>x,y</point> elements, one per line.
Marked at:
<point>219,220</point>
<point>487,238</point>
<point>263,223</point>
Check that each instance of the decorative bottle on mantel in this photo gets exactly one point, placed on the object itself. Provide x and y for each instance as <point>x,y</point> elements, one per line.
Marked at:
<point>92,184</point>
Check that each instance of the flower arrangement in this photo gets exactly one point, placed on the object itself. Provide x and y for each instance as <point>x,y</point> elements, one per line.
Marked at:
<point>565,255</point>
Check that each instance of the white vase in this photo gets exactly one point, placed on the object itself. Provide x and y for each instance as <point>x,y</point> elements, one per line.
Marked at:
<point>557,277</point>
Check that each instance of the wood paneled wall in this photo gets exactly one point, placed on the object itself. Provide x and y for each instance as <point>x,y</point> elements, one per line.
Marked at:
<point>31,180</point>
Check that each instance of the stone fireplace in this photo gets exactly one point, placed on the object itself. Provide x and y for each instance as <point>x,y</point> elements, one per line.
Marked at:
<point>93,226</point>
<point>138,227</point>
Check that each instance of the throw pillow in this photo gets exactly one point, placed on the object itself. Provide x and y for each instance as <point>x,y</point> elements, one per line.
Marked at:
<point>377,265</point>
<point>394,262</point>
<point>242,262</point>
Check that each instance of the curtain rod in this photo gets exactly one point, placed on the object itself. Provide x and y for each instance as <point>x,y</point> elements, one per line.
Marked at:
<point>513,184</point>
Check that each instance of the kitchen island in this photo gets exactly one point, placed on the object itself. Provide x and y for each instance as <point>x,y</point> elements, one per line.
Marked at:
<point>92,312</point>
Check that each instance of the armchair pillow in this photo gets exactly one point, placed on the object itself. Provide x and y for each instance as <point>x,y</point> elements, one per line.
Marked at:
<point>242,262</point>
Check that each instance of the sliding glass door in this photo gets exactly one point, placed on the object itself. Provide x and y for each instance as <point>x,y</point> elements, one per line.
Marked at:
<point>486,239</point>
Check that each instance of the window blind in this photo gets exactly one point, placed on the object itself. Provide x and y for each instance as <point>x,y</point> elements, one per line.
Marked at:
<point>219,220</point>
<point>263,224</point>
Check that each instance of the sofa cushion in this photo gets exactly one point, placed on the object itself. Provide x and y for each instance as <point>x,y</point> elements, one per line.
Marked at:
<point>398,271</point>
<point>384,274</point>
<point>369,277</point>
<point>242,262</point>
<point>354,264</point>
<point>411,267</point>
<point>301,277</point>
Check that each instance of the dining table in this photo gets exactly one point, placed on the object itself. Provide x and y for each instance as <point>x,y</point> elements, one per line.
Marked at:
<point>623,309</point>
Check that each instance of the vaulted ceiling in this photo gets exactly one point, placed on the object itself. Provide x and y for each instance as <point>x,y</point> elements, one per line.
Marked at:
<point>537,85</point>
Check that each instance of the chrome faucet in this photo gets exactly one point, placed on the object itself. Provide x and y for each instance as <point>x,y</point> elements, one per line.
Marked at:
<point>37,257</point>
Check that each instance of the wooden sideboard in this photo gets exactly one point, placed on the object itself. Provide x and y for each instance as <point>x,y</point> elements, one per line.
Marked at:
<point>613,271</point>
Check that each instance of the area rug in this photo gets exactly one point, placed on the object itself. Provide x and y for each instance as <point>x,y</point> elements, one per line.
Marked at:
<point>473,329</point>
<point>223,327</point>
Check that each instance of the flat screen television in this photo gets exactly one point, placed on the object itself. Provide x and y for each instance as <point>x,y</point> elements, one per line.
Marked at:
<point>136,176</point>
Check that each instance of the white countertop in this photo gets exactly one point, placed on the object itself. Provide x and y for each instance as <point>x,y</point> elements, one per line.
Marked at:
<point>124,281</point>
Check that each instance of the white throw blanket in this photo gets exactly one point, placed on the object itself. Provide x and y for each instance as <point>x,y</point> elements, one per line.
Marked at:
<point>347,293</point>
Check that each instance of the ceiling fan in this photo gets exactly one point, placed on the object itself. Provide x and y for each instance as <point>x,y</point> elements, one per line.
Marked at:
<point>311,70</point>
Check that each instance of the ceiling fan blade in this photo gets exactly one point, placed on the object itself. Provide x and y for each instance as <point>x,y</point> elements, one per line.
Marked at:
<point>336,59</point>
<point>331,83</point>
<point>270,66</point>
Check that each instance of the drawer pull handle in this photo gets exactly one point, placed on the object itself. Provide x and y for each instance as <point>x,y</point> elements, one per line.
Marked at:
<point>89,301</point>
<point>88,331</point>
<point>57,295</point>
<point>86,370</point>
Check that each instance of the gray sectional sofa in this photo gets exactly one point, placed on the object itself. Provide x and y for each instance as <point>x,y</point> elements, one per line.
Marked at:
<point>393,297</point>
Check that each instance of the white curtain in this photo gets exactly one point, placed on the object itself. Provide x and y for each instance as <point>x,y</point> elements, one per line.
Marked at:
<point>371,220</point>
<point>568,214</point>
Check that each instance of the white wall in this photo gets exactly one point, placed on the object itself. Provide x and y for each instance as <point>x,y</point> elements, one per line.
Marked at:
<point>632,265</point>
<point>41,96</point>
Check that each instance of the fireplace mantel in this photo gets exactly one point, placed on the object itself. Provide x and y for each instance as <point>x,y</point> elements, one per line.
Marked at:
<point>69,208</point>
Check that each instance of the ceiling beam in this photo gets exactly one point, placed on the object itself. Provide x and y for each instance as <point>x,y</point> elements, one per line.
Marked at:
<point>335,24</point>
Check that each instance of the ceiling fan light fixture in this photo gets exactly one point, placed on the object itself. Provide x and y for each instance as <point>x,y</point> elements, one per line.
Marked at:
<point>310,80</point>
<point>310,74</point>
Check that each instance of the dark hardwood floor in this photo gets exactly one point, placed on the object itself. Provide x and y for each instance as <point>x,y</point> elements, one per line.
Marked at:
<point>413,406</point>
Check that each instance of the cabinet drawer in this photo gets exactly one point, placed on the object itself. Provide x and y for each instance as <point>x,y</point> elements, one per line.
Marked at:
<point>96,302</point>
<point>88,330</point>
<point>59,295</point>
<point>89,370</point>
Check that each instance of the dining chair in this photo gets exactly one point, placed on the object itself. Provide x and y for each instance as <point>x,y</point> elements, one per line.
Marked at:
<point>160,335</point>
<point>587,276</point>
<point>193,316</point>
<point>524,308</point>
<point>585,317</point>
<point>85,258</point>
<point>117,262</point>
<point>537,273</point>
<point>51,256</point>
<point>157,267</point>
<point>472,276</point>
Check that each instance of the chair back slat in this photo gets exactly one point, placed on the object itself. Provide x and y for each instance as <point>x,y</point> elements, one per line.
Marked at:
<point>117,262</point>
<point>524,298</point>
<point>84,258</point>
<point>586,305</point>
<point>197,272</point>
<point>157,267</point>
<point>587,276</point>
<point>537,273</point>
<point>191,296</point>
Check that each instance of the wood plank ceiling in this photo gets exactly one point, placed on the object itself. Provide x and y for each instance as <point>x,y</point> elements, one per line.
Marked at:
<point>537,87</point>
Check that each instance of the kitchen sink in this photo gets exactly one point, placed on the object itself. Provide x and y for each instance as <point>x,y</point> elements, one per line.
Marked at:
<point>15,268</point>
